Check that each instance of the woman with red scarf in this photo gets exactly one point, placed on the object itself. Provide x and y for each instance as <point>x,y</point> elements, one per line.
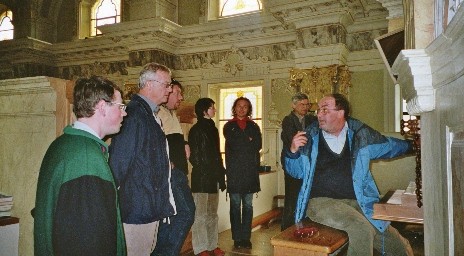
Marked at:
<point>243,143</point>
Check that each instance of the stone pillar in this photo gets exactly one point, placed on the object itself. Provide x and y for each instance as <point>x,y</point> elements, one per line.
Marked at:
<point>33,112</point>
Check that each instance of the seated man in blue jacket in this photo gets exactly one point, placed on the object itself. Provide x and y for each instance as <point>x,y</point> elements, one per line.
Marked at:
<point>332,157</point>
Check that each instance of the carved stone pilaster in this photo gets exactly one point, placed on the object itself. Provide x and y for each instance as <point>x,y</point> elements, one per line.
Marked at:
<point>415,78</point>
<point>273,118</point>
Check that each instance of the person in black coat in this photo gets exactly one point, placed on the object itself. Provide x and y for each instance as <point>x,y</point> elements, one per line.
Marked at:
<point>296,121</point>
<point>243,143</point>
<point>207,174</point>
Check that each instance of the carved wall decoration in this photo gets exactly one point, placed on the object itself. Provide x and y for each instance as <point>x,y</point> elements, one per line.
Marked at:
<point>281,95</point>
<point>232,59</point>
<point>272,116</point>
<point>233,62</point>
<point>322,35</point>
<point>28,70</point>
<point>192,93</point>
<point>364,40</point>
<point>280,85</point>
<point>140,58</point>
<point>96,68</point>
<point>319,81</point>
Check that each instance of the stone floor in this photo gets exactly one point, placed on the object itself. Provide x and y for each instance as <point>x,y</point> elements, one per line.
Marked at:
<point>262,246</point>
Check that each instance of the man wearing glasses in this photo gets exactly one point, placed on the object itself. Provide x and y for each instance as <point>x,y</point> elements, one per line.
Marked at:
<point>76,210</point>
<point>332,157</point>
<point>139,158</point>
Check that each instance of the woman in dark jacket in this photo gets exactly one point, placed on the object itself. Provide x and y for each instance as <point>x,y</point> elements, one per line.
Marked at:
<point>243,143</point>
<point>207,174</point>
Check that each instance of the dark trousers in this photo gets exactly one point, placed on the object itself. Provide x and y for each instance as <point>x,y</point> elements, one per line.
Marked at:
<point>292,188</point>
<point>171,236</point>
<point>241,216</point>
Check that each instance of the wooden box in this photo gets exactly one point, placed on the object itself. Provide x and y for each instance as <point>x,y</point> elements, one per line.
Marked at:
<point>326,241</point>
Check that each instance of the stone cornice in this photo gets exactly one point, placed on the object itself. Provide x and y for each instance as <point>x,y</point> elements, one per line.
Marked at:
<point>441,58</point>
<point>98,48</point>
<point>368,24</point>
<point>339,16</point>
<point>322,55</point>
<point>25,50</point>
<point>326,12</point>
<point>29,85</point>
<point>447,51</point>
<point>140,28</point>
<point>28,42</point>
<point>394,7</point>
<point>415,78</point>
<point>160,33</point>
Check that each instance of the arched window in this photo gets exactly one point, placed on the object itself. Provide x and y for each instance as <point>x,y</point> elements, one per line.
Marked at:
<point>216,9</point>
<point>235,7</point>
<point>6,27</point>
<point>105,12</point>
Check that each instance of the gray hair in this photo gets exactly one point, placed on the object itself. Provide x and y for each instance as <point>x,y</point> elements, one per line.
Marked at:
<point>299,96</point>
<point>149,71</point>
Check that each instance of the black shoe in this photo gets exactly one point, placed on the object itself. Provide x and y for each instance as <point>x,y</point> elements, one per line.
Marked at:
<point>246,244</point>
<point>238,244</point>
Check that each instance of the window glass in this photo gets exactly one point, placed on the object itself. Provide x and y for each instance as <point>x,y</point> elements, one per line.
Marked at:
<point>105,12</point>
<point>234,7</point>
<point>6,27</point>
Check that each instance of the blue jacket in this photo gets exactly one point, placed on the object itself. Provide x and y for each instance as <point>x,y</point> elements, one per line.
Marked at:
<point>140,165</point>
<point>365,144</point>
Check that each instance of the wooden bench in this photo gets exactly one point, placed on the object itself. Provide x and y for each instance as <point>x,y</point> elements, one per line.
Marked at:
<point>324,242</point>
<point>266,218</point>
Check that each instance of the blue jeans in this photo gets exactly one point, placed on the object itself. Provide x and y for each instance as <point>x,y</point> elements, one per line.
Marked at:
<point>241,215</point>
<point>171,236</point>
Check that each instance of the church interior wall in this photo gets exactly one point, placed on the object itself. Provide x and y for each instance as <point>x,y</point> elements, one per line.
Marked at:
<point>288,34</point>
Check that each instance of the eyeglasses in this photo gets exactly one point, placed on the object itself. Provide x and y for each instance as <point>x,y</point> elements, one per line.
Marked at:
<point>120,105</point>
<point>325,111</point>
<point>166,84</point>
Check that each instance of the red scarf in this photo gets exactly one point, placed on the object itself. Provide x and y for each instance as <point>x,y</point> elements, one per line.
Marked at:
<point>241,122</point>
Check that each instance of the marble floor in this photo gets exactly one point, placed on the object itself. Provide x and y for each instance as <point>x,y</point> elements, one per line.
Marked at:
<point>260,239</point>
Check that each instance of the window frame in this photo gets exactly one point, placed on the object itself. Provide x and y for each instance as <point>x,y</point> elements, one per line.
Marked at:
<point>94,20</point>
<point>213,10</point>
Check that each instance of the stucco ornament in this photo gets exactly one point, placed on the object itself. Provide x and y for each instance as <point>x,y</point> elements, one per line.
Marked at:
<point>233,61</point>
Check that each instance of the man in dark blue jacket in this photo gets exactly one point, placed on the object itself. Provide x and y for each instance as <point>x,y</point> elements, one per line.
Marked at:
<point>140,162</point>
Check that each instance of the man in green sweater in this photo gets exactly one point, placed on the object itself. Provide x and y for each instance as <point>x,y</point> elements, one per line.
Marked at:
<point>77,210</point>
